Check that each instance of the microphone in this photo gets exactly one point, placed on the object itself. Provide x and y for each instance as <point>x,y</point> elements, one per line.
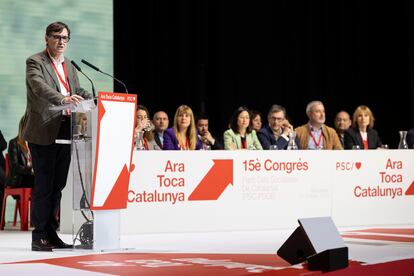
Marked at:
<point>97,69</point>
<point>90,65</point>
<point>80,70</point>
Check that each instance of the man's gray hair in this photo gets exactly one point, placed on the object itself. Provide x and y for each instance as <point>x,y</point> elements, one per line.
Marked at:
<point>311,105</point>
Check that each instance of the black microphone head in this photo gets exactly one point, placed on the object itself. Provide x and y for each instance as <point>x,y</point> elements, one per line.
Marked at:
<point>76,66</point>
<point>90,65</point>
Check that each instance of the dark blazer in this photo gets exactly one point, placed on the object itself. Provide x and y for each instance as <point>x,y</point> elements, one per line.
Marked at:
<point>157,139</point>
<point>410,138</point>
<point>20,175</point>
<point>267,138</point>
<point>353,137</point>
<point>217,145</point>
<point>3,146</point>
<point>171,141</point>
<point>43,90</point>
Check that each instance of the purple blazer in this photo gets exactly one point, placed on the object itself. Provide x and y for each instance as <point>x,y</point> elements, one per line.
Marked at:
<point>171,141</point>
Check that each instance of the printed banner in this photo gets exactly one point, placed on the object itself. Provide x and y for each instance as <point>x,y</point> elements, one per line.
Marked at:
<point>179,191</point>
<point>114,145</point>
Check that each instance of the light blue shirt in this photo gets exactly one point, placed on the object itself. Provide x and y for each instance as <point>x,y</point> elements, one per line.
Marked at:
<point>315,136</point>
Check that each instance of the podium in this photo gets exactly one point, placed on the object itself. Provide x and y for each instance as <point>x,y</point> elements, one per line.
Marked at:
<point>101,146</point>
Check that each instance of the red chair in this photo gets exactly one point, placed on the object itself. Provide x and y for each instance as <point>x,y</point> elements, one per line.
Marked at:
<point>23,200</point>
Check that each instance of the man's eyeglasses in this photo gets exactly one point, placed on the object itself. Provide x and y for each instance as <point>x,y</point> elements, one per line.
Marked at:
<point>276,119</point>
<point>64,38</point>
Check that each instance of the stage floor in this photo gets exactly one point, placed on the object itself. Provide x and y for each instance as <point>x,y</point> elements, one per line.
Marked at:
<point>371,249</point>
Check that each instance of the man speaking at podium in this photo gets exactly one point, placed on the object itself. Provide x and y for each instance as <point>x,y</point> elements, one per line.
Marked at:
<point>50,80</point>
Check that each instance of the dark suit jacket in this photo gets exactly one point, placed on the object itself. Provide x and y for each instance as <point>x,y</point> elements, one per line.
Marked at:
<point>267,138</point>
<point>3,146</point>
<point>43,90</point>
<point>353,137</point>
<point>410,138</point>
<point>171,141</point>
<point>217,145</point>
<point>157,139</point>
<point>19,175</point>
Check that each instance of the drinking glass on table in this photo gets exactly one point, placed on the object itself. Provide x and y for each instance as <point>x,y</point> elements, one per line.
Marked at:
<point>273,147</point>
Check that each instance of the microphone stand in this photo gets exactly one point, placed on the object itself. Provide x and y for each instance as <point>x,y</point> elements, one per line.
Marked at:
<point>99,70</point>
<point>123,84</point>
<point>93,87</point>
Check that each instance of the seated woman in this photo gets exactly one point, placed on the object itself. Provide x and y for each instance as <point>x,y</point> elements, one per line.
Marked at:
<point>20,161</point>
<point>3,146</point>
<point>241,135</point>
<point>256,120</point>
<point>362,134</point>
<point>143,134</point>
<point>183,134</point>
<point>81,123</point>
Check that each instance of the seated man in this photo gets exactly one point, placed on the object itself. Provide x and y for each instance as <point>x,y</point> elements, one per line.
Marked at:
<point>342,123</point>
<point>160,121</point>
<point>315,134</point>
<point>276,133</point>
<point>204,134</point>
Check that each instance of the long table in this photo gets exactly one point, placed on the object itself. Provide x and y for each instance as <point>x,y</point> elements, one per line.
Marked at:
<point>191,191</point>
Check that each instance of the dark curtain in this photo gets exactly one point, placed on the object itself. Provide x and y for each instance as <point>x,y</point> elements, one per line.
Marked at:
<point>217,55</point>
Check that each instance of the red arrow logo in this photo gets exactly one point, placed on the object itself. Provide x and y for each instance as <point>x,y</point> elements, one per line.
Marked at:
<point>214,182</point>
<point>410,190</point>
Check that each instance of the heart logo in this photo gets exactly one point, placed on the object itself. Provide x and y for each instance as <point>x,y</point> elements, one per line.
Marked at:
<point>358,165</point>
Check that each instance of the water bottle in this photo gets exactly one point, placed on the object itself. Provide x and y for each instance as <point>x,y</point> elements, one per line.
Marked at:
<point>403,142</point>
<point>139,141</point>
<point>292,144</point>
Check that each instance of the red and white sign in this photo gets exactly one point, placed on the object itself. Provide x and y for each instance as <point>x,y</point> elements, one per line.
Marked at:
<point>116,120</point>
<point>180,191</point>
<point>373,188</point>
